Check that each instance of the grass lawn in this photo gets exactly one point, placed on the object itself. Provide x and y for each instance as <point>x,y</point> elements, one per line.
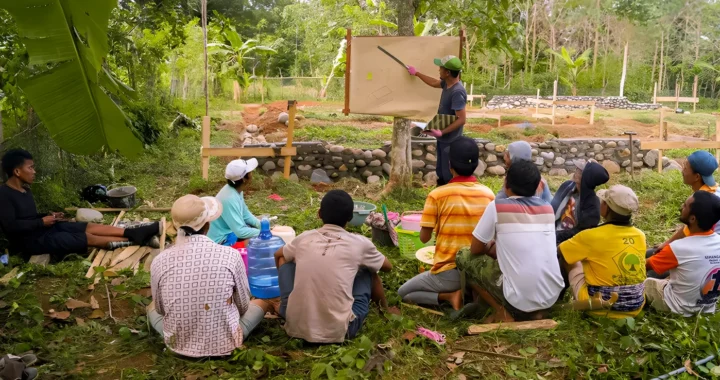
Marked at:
<point>104,348</point>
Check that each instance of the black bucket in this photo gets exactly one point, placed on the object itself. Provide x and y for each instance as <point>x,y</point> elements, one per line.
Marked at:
<point>121,197</point>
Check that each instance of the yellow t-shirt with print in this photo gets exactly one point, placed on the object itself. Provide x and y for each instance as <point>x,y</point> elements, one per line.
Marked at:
<point>611,255</point>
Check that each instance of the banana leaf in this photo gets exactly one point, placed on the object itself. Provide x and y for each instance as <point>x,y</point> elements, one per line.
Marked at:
<point>71,97</point>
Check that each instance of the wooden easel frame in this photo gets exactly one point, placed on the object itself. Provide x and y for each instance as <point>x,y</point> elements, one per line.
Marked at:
<point>663,144</point>
<point>677,98</point>
<point>348,52</point>
<point>288,151</point>
<point>554,102</point>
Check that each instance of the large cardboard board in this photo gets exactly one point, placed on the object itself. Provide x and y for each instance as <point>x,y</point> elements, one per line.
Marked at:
<point>380,86</point>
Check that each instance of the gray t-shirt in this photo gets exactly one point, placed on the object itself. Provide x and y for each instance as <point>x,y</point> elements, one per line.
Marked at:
<point>452,99</point>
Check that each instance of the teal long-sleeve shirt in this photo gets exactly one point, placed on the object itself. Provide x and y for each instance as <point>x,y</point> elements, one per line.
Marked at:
<point>236,217</point>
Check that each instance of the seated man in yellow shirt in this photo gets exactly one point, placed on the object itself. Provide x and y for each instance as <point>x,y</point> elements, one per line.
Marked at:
<point>609,258</point>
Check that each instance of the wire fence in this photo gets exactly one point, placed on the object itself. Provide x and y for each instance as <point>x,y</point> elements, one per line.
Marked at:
<point>298,88</point>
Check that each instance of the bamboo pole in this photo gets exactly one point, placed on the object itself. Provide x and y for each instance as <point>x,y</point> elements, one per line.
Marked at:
<point>292,108</point>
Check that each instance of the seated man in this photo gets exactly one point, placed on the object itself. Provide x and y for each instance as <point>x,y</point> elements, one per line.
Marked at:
<point>201,298</point>
<point>609,258</point>
<point>693,262</point>
<point>328,276</point>
<point>31,233</point>
<point>451,211</point>
<point>518,276</point>
<point>697,173</point>
<point>522,151</point>
<point>575,204</point>
<point>237,223</point>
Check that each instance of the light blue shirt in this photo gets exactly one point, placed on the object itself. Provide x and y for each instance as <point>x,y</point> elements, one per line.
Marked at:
<point>236,217</point>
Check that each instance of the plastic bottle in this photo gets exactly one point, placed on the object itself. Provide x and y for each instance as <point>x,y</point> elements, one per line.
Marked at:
<point>286,233</point>
<point>262,273</point>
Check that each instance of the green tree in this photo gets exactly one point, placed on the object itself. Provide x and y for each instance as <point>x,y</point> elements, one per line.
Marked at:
<point>236,51</point>
<point>632,261</point>
<point>573,67</point>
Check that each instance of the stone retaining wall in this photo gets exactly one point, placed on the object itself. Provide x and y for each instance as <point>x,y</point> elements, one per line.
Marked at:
<point>554,157</point>
<point>606,102</point>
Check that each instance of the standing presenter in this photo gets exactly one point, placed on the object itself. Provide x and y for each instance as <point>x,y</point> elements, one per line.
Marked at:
<point>452,102</point>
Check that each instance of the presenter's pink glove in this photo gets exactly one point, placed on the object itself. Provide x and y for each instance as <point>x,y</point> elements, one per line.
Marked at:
<point>434,133</point>
<point>412,70</point>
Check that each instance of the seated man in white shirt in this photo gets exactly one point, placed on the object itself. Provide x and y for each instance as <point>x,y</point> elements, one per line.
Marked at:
<point>693,262</point>
<point>201,298</point>
<point>519,276</point>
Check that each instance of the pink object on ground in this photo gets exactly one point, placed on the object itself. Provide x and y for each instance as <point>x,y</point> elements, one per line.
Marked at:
<point>411,222</point>
<point>275,197</point>
<point>433,335</point>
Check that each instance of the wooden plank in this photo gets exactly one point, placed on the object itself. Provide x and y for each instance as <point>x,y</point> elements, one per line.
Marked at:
<point>9,276</point>
<point>238,152</point>
<point>130,261</point>
<point>592,114</point>
<point>348,51</point>
<point>660,99</point>
<point>92,254</point>
<point>124,254</point>
<point>98,259</point>
<point>205,145</point>
<point>163,234</point>
<point>119,218</point>
<point>288,150</point>
<point>655,93</point>
<point>688,99</point>
<point>574,102</point>
<point>539,101</point>
<point>543,324</point>
<point>292,108</point>
<point>680,145</point>
<point>475,115</point>
<point>661,137</point>
<point>105,261</point>
<point>139,209</point>
<point>680,99</point>
<point>149,259</point>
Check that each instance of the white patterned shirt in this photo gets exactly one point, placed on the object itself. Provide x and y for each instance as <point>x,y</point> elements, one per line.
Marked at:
<point>201,290</point>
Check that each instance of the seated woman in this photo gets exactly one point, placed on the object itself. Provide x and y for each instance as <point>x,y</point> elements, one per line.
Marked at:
<point>208,313</point>
<point>31,233</point>
<point>575,204</point>
<point>237,223</point>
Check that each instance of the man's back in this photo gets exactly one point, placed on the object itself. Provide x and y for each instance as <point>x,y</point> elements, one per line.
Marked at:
<point>201,290</point>
<point>694,283</point>
<point>612,255</point>
<point>327,261</point>
<point>453,211</point>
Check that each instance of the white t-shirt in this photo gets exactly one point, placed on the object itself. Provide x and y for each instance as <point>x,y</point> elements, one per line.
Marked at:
<point>524,231</point>
<point>694,283</point>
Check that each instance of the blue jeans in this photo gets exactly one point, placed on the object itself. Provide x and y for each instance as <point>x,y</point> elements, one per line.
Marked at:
<point>443,163</point>
<point>362,287</point>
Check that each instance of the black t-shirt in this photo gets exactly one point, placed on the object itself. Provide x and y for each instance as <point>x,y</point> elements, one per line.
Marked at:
<point>19,219</point>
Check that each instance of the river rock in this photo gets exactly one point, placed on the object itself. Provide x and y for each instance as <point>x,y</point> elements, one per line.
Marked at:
<point>558,172</point>
<point>336,149</point>
<point>87,215</point>
<point>430,179</point>
<point>672,165</point>
<point>368,155</point>
<point>611,166</point>
<point>547,155</point>
<point>373,179</point>
<point>360,163</point>
<point>417,153</point>
<point>491,158</point>
<point>651,157</point>
<point>430,157</point>
<point>539,161</point>
<point>418,163</point>
<point>386,168</point>
<point>252,128</point>
<point>283,117</point>
<point>480,170</point>
<point>268,166</point>
<point>611,144</point>
<point>343,168</point>
<point>625,153</point>
<point>490,147</point>
<point>625,163</point>
<point>304,167</point>
<point>597,147</point>
<point>500,148</point>
<point>431,148</point>
<point>559,161</point>
<point>379,153</point>
<point>599,156</point>
<point>375,163</point>
<point>496,170</point>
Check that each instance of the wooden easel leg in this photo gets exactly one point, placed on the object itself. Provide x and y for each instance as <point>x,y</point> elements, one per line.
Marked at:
<point>292,108</point>
<point>592,114</point>
<point>205,144</point>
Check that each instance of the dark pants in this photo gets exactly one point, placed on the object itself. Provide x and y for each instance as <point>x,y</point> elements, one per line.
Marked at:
<point>443,163</point>
<point>59,240</point>
<point>362,287</point>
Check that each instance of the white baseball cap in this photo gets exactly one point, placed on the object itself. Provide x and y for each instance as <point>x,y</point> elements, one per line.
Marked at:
<point>238,169</point>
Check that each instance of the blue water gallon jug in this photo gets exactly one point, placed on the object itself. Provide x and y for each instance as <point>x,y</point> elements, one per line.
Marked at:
<point>262,273</point>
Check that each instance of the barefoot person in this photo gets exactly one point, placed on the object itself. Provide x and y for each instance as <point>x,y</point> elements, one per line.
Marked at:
<point>451,211</point>
<point>328,276</point>
<point>201,298</point>
<point>693,262</point>
<point>609,258</point>
<point>518,275</point>
<point>31,233</point>
<point>452,102</point>
<point>237,223</point>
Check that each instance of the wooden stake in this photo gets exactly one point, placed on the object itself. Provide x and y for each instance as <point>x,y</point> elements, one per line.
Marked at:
<point>348,38</point>
<point>163,235</point>
<point>655,93</point>
<point>695,86</point>
<point>554,99</point>
<point>662,58</point>
<point>543,324</point>
<point>119,218</point>
<point>677,95</point>
<point>292,108</point>
<point>660,151</point>
<point>592,114</point>
<point>205,145</point>
<point>537,105</point>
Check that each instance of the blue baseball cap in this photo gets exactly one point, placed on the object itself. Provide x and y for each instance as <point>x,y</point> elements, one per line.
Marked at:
<point>703,163</point>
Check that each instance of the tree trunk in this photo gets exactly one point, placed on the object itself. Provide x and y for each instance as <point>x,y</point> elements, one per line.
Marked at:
<point>652,77</point>
<point>400,171</point>
<point>534,34</point>
<point>527,36</point>
<point>205,81</point>
<point>662,59</point>
<point>697,40</point>
<point>624,71</point>
<point>597,37</point>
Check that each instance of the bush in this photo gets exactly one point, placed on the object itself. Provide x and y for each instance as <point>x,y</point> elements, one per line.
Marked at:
<point>146,119</point>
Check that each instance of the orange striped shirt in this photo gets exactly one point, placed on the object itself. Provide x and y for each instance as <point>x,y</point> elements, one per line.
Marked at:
<point>453,211</point>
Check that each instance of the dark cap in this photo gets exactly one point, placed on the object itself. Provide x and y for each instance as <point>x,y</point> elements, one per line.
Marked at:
<point>464,154</point>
